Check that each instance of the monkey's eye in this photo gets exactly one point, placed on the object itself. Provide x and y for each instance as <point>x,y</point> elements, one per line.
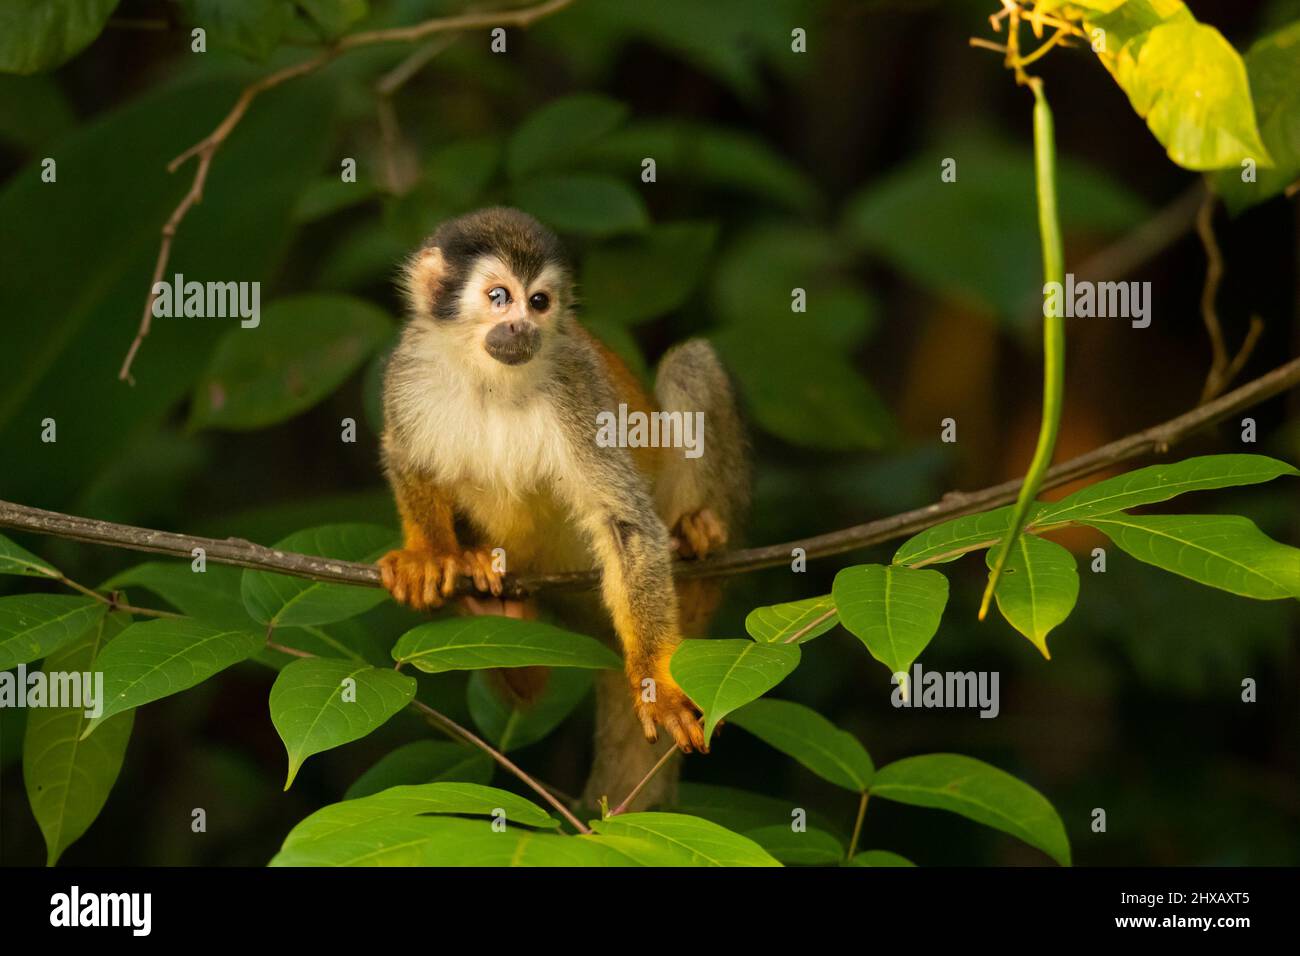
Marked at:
<point>540,301</point>
<point>499,295</point>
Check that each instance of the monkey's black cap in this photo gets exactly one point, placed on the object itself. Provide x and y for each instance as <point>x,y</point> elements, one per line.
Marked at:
<point>523,243</point>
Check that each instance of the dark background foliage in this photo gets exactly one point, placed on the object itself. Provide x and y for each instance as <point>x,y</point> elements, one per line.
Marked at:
<point>817,170</point>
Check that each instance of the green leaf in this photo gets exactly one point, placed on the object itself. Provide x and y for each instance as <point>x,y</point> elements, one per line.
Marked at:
<point>155,659</point>
<point>1188,83</point>
<point>335,16</point>
<point>710,156</point>
<point>560,132</point>
<point>582,204</point>
<point>950,540</point>
<point>251,27</point>
<point>423,761</point>
<point>33,625</point>
<point>721,675</point>
<point>810,847</point>
<point>1224,551</point>
<point>38,35</point>
<point>811,739</point>
<point>1273,64</point>
<point>473,643</point>
<point>643,277</point>
<point>1155,483</point>
<point>1039,586</point>
<point>68,779</point>
<point>318,704</point>
<point>741,810</point>
<point>894,611</point>
<point>691,840</point>
<point>777,623</point>
<point>979,792</point>
<point>283,601</point>
<point>907,217</point>
<point>802,389</point>
<point>879,858</point>
<point>444,841</point>
<point>372,830</point>
<point>16,560</point>
<point>302,350</point>
<point>511,725</point>
<point>211,595</point>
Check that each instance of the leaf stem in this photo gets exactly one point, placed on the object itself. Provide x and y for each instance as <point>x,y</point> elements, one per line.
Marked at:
<point>857,824</point>
<point>659,765</point>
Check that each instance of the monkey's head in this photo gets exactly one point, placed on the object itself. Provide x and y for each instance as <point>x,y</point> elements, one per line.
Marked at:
<point>496,280</point>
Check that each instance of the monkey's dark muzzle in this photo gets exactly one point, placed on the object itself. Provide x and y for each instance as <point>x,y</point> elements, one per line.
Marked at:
<point>513,342</point>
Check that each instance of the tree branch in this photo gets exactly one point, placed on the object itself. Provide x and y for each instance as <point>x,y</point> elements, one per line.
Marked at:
<point>207,147</point>
<point>246,554</point>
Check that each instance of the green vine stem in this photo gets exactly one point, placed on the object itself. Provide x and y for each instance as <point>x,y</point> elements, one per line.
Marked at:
<point>1053,333</point>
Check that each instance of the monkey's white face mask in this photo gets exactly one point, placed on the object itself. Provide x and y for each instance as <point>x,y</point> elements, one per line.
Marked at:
<point>509,318</point>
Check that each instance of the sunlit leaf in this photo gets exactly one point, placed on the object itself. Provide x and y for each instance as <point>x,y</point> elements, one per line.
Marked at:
<point>33,625</point>
<point>693,841</point>
<point>894,611</point>
<point>473,643</point>
<point>978,791</point>
<point>16,560</point>
<point>950,540</point>
<point>778,623</point>
<point>721,675</point>
<point>1038,588</point>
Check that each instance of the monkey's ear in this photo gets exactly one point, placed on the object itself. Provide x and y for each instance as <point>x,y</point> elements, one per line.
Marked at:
<point>421,277</point>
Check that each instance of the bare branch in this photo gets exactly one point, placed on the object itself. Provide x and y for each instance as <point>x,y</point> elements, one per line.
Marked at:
<point>246,554</point>
<point>207,147</point>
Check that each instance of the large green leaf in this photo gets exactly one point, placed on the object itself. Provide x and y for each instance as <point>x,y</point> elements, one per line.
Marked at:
<point>155,659</point>
<point>721,675</point>
<point>1185,80</point>
<point>211,595</point>
<point>283,601</point>
<point>707,155</point>
<point>302,350</point>
<point>1162,482</point>
<point>583,204</point>
<point>318,704</point>
<point>950,540</point>
<point>473,643</point>
<point>447,841</point>
<point>879,858</point>
<point>1039,585</point>
<point>1223,551</point>
<point>423,761</point>
<point>908,216</point>
<point>16,560</point>
<point>38,35</point>
<point>333,822</point>
<point>777,623</point>
<point>894,611</point>
<point>810,847</point>
<point>642,277</point>
<point>67,778</point>
<point>560,132</point>
<point>691,840</point>
<point>1273,64</point>
<point>251,27</point>
<point>809,738</point>
<point>978,791</point>
<point>510,725</point>
<point>33,625</point>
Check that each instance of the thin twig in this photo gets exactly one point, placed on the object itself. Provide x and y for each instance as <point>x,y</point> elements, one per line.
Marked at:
<point>857,824</point>
<point>659,765</point>
<point>207,147</point>
<point>240,553</point>
<point>499,757</point>
<point>1222,369</point>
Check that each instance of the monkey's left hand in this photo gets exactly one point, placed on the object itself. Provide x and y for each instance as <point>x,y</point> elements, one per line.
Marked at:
<point>660,702</point>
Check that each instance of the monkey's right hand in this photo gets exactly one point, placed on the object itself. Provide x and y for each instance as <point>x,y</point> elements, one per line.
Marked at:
<point>660,702</point>
<point>421,580</point>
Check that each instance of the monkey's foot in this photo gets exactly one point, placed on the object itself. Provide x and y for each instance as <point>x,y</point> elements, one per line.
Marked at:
<point>421,580</point>
<point>698,533</point>
<point>661,703</point>
<point>481,565</point>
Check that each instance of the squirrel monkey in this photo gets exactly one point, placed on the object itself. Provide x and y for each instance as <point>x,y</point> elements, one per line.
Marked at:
<point>491,403</point>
